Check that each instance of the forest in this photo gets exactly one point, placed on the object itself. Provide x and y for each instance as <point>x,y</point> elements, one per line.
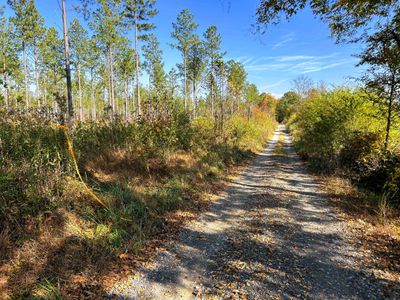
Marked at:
<point>105,154</point>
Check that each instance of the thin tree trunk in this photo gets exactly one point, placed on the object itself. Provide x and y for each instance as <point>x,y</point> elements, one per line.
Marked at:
<point>184,80</point>
<point>194,99</point>
<point>133,95</point>
<point>67,63</point>
<point>37,91</point>
<point>92,95</point>
<point>212,101</point>
<point>80,92</point>
<point>238,103</point>
<point>25,75</point>
<point>137,68</point>
<point>112,98</point>
<point>126,101</point>
<point>389,117</point>
<point>6,91</point>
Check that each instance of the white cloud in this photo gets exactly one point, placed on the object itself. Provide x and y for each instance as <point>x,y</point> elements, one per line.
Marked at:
<point>275,84</point>
<point>285,40</point>
<point>297,64</point>
<point>294,58</point>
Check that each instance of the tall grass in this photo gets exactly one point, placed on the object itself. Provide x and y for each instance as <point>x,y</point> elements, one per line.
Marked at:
<point>140,170</point>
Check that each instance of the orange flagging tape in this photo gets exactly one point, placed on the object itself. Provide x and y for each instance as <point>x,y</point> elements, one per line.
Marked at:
<point>72,153</point>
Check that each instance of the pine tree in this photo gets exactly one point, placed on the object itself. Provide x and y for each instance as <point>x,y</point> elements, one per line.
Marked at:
<point>236,81</point>
<point>92,63</point>
<point>108,26</point>
<point>196,67</point>
<point>79,49</point>
<point>139,12</point>
<point>29,29</point>
<point>184,33</point>
<point>67,62</point>
<point>126,70</point>
<point>51,49</point>
<point>9,63</point>
<point>212,46</point>
<point>154,67</point>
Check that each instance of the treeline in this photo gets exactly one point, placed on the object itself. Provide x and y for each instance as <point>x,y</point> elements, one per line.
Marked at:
<point>109,53</point>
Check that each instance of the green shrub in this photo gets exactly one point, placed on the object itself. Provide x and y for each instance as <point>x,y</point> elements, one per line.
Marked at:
<point>342,130</point>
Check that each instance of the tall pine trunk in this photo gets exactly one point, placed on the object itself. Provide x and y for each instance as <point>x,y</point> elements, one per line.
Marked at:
<point>67,63</point>
<point>184,80</point>
<point>112,97</point>
<point>137,67</point>
<point>194,99</point>
<point>126,100</point>
<point>25,75</point>
<point>6,90</point>
<point>37,91</point>
<point>80,92</point>
<point>92,95</point>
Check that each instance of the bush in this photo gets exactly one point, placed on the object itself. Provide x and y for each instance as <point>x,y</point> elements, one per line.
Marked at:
<point>341,130</point>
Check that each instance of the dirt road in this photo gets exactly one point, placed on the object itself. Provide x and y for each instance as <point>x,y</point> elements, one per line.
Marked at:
<point>272,235</point>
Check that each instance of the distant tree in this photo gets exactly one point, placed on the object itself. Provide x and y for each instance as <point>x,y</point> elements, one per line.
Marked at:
<point>172,80</point>
<point>196,65</point>
<point>36,41</point>
<point>252,94</point>
<point>79,50</point>
<point>108,27</point>
<point>51,50</point>
<point>154,66</point>
<point>139,12</point>
<point>126,70</point>
<point>268,103</point>
<point>220,72</point>
<point>9,63</point>
<point>287,105</point>
<point>236,81</point>
<point>302,85</point>
<point>252,97</point>
<point>212,46</point>
<point>93,64</point>
<point>29,29</point>
<point>184,33</point>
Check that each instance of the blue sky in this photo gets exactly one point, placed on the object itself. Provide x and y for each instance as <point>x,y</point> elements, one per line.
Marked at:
<point>301,47</point>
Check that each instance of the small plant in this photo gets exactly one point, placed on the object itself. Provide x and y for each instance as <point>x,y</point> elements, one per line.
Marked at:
<point>46,290</point>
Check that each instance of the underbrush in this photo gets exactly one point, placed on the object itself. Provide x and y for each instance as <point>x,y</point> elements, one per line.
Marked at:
<point>372,226</point>
<point>55,236</point>
<point>341,131</point>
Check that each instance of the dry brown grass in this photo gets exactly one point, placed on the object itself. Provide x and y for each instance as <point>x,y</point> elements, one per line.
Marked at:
<point>377,238</point>
<point>280,146</point>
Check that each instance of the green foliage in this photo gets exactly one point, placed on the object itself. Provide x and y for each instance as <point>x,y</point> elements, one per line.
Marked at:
<point>286,106</point>
<point>342,130</point>
<point>345,17</point>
